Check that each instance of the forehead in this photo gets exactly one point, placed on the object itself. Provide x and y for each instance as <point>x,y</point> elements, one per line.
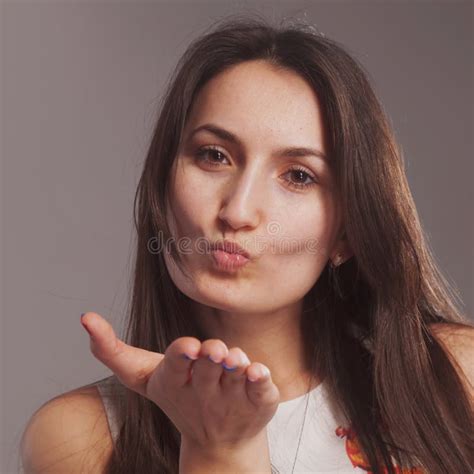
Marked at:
<point>261,103</point>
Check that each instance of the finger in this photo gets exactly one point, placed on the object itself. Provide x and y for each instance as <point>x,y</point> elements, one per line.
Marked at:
<point>179,357</point>
<point>260,388</point>
<point>132,365</point>
<point>207,370</point>
<point>235,366</point>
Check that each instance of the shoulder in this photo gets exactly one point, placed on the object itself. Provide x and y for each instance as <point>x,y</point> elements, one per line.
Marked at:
<point>458,341</point>
<point>68,433</point>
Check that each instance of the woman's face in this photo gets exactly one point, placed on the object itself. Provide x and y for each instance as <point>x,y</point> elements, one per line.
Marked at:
<point>278,205</point>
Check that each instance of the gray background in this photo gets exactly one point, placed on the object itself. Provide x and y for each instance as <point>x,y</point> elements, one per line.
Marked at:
<point>80,85</point>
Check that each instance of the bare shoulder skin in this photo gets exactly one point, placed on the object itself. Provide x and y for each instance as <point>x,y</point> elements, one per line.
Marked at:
<point>459,343</point>
<point>68,433</point>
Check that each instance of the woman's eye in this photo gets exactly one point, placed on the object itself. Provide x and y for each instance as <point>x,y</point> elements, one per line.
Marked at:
<point>300,178</point>
<point>216,155</point>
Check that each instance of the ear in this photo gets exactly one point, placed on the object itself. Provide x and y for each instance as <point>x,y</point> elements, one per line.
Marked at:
<point>341,251</point>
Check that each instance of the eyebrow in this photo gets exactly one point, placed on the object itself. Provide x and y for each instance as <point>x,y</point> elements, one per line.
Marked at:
<point>291,152</point>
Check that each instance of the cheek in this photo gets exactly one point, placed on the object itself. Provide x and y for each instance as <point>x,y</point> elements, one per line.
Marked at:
<point>191,199</point>
<point>302,232</point>
<point>301,248</point>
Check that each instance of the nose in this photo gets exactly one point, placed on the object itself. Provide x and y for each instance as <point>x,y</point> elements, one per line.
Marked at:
<point>242,204</point>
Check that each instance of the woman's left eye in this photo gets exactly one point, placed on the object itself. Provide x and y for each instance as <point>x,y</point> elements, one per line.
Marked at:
<point>301,174</point>
<point>212,151</point>
<point>301,178</point>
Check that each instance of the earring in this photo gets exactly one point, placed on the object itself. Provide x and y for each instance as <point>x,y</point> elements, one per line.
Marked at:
<point>334,282</point>
<point>337,260</point>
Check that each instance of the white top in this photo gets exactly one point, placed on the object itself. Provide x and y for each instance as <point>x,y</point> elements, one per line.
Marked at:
<point>327,444</point>
<point>321,450</point>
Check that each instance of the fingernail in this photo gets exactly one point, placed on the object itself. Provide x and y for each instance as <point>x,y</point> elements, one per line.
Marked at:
<point>264,372</point>
<point>212,360</point>
<point>230,369</point>
<point>244,359</point>
<point>188,357</point>
<point>84,326</point>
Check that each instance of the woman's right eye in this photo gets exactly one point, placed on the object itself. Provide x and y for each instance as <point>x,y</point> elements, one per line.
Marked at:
<point>203,154</point>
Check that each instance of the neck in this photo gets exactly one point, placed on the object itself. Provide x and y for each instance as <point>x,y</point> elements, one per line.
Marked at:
<point>274,339</point>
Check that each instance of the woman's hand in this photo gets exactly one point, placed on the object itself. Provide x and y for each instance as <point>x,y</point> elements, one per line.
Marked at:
<point>213,408</point>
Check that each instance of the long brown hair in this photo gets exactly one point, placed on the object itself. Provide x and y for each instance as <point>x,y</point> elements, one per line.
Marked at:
<point>366,324</point>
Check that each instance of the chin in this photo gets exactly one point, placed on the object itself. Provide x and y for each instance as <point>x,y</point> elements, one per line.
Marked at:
<point>219,294</point>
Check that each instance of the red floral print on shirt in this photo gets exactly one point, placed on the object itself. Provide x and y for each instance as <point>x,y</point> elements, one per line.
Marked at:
<point>358,459</point>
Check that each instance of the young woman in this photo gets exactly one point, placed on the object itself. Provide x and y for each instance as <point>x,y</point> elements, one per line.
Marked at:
<point>286,313</point>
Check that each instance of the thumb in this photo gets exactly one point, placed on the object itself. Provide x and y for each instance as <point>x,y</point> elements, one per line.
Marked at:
<point>132,366</point>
